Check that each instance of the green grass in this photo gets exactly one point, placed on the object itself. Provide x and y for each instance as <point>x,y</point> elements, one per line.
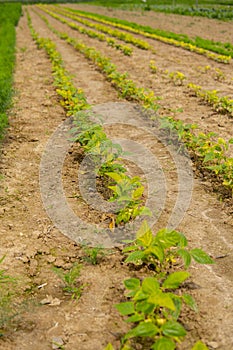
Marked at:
<point>9,16</point>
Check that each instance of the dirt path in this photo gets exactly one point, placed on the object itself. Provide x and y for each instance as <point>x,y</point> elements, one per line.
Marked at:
<point>33,245</point>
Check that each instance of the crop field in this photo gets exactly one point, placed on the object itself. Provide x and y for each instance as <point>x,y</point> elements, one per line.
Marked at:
<point>116,175</point>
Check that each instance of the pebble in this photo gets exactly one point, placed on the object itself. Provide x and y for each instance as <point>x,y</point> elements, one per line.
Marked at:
<point>57,342</point>
<point>213,344</point>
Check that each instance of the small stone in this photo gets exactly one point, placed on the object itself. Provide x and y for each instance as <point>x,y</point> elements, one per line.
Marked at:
<point>57,342</point>
<point>213,344</point>
<point>49,300</point>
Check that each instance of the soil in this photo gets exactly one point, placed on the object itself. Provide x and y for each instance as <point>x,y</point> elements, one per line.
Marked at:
<point>31,241</point>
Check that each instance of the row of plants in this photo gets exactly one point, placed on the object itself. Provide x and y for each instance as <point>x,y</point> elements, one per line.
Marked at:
<point>222,104</point>
<point>126,37</point>
<point>217,13</point>
<point>9,17</point>
<point>221,52</point>
<point>207,149</point>
<point>154,304</point>
<point>126,50</point>
<point>127,191</point>
<point>215,46</point>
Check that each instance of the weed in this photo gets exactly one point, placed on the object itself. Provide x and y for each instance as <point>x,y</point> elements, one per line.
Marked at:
<point>69,280</point>
<point>93,255</point>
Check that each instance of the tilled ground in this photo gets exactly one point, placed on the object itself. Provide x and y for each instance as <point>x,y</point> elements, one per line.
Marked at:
<point>32,243</point>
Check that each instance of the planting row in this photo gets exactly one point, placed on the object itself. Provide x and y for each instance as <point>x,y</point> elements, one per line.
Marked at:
<point>126,50</point>
<point>127,192</point>
<point>207,149</point>
<point>9,16</point>
<point>223,105</point>
<point>154,304</point>
<point>220,104</point>
<point>212,50</point>
<point>126,37</point>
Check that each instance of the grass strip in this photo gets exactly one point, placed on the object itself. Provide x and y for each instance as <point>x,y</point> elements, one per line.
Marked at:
<point>9,17</point>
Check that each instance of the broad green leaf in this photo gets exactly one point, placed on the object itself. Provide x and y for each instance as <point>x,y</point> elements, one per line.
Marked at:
<point>135,256</point>
<point>139,295</point>
<point>138,193</point>
<point>144,211</point>
<point>164,344</point>
<point>188,299</point>
<point>150,285</point>
<point>109,347</point>
<point>168,238</point>
<point>162,299</point>
<point>144,329</point>
<point>126,308</point>
<point>200,346</point>
<point>129,248</point>
<point>185,255</point>
<point>132,283</point>
<point>173,329</point>
<point>209,156</point>
<point>178,305</point>
<point>144,307</point>
<point>175,279</point>
<point>135,318</point>
<point>201,257</point>
<point>144,235</point>
<point>115,176</point>
<point>156,251</point>
<point>143,229</point>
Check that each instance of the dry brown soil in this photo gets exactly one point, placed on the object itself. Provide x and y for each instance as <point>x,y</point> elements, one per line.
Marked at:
<point>31,241</point>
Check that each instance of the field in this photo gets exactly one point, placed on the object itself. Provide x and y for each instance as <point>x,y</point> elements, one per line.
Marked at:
<point>121,122</point>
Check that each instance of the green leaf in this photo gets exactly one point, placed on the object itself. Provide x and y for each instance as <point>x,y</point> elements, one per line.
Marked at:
<point>178,305</point>
<point>138,193</point>
<point>201,257</point>
<point>135,256</point>
<point>144,307</point>
<point>175,279</point>
<point>173,329</point>
<point>164,344</point>
<point>186,256</point>
<point>188,299</point>
<point>135,318</point>
<point>150,285</point>
<point>132,283</point>
<point>168,238</point>
<point>144,211</point>
<point>144,234</point>
<point>144,329</point>
<point>109,347</point>
<point>126,308</point>
<point>156,251</point>
<point>208,157</point>
<point>200,346</point>
<point>115,176</point>
<point>162,299</point>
